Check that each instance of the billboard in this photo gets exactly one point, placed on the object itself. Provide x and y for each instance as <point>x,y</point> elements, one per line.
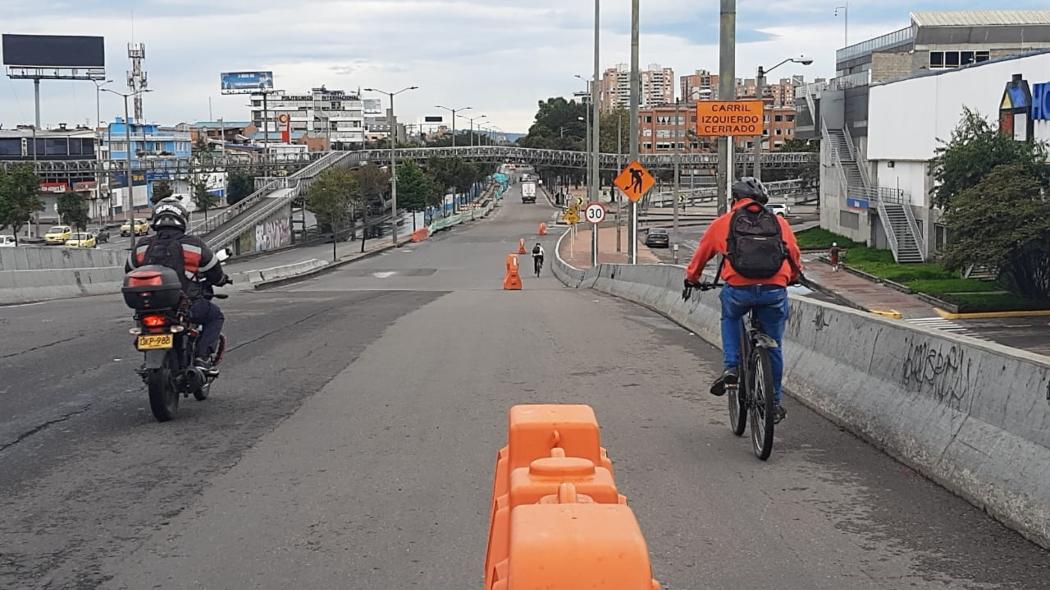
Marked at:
<point>432,119</point>
<point>246,82</point>
<point>54,51</point>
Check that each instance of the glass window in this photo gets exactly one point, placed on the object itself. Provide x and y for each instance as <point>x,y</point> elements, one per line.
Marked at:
<point>778,118</point>
<point>648,119</point>
<point>966,58</point>
<point>981,56</point>
<point>780,131</point>
<point>951,59</point>
<point>936,59</point>
<point>56,147</point>
<point>76,147</point>
<point>11,147</point>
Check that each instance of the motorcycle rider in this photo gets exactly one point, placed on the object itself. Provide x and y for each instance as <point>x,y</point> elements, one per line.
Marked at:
<point>192,259</point>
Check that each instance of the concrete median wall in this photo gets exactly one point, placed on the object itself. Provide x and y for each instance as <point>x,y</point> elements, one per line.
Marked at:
<point>57,257</point>
<point>971,415</point>
<point>26,286</point>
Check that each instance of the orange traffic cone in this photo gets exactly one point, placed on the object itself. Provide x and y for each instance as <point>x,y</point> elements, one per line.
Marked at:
<point>521,246</point>
<point>512,280</point>
<point>543,229</point>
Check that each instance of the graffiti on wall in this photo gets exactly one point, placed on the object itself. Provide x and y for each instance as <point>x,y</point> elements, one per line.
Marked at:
<point>943,369</point>
<point>273,234</point>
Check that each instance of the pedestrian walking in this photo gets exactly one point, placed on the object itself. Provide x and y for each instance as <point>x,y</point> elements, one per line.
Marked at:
<point>834,254</point>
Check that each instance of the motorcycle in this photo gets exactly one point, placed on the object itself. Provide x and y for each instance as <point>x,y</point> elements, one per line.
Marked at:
<point>167,338</point>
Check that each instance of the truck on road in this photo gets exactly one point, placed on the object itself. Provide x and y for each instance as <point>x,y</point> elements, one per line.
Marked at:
<point>528,192</point>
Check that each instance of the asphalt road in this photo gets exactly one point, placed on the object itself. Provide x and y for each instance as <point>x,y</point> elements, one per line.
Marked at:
<point>350,444</point>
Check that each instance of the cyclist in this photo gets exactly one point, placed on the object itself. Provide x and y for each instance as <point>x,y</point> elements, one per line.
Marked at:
<point>537,257</point>
<point>761,258</point>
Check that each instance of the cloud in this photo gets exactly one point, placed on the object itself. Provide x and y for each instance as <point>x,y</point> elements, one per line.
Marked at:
<point>498,56</point>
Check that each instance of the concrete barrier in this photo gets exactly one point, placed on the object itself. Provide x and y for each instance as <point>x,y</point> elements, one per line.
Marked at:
<point>971,415</point>
<point>57,257</point>
<point>27,286</point>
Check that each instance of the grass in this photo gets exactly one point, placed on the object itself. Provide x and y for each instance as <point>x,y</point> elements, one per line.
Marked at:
<point>931,278</point>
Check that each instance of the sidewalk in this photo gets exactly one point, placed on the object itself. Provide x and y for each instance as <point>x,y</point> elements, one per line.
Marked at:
<point>580,256</point>
<point>862,292</point>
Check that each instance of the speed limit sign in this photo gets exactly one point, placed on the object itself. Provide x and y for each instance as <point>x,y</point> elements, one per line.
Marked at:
<point>595,213</point>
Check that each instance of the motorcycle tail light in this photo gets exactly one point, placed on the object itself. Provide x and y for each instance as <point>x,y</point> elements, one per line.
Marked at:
<point>154,321</point>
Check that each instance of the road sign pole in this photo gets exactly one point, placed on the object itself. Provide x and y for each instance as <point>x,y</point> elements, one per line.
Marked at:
<point>595,134</point>
<point>726,91</point>
<point>636,91</point>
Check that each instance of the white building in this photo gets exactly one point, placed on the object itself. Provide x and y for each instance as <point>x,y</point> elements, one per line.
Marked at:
<point>657,87</point>
<point>908,120</point>
<point>333,114</point>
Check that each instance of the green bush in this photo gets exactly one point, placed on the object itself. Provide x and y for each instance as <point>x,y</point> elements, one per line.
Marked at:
<point>938,287</point>
<point>979,302</point>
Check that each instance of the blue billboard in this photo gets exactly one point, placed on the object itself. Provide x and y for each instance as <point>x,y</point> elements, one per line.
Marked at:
<point>246,82</point>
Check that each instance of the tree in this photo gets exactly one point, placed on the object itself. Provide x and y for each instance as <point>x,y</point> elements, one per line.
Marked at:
<point>372,183</point>
<point>73,210</point>
<point>975,149</point>
<point>618,122</point>
<point>19,197</point>
<point>330,197</point>
<point>239,184</point>
<point>162,190</point>
<point>415,188</point>
<point>202,198</point>
<point>1004,221</point>
<point>560,124</point>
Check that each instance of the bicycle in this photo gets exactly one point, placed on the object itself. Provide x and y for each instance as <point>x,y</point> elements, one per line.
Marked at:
<point>751,398</point>
<point>537,263</point>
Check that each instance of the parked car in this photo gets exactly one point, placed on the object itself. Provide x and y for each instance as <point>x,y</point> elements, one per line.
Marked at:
<point>780,209</point>
<point>82,240</point>
<point>7,241</point>
<point>57,235</point>
<point>658,238</point>
<point>140,225</point>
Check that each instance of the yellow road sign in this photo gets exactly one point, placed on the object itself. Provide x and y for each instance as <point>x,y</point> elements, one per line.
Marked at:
<point>634,181</point>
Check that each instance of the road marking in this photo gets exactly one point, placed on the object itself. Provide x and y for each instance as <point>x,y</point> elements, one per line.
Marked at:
<point>383,274</point>
<point>944,325</point>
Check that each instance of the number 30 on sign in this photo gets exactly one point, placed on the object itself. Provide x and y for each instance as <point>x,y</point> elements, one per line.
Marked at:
<point>595,213</point>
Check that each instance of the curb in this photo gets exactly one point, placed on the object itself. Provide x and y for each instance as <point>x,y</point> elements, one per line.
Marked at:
<point>322,270</point>
<point>1038,313</point>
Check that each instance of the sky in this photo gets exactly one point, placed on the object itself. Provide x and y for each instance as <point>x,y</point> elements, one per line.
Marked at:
<point>499,57</point>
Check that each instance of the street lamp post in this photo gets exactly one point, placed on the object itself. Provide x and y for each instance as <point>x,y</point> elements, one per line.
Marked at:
<point>472,119</point>
<point>454,111</point>
<point>845,22</point>
<point>127,150</point>
<point>393,155</point>
<point>98,160</point>
<point>760,83</point>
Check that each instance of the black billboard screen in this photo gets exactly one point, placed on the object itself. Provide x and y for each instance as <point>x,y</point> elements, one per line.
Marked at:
<point>58,51</point>
<point>431,119</point>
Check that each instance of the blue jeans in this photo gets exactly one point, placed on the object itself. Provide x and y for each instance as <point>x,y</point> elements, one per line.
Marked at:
<point>771,306</point>
<point>210,317</point>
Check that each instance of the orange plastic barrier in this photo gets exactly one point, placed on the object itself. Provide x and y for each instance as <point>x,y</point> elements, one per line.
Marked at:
<point>521,246</point>
<point>420,235</point>
<point>557,520</point>
<point>512,280</point>
<point>543,229</point>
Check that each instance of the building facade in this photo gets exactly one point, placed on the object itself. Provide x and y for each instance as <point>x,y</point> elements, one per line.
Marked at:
<point>334,114</point>
<point>702,85</point>
<point>615,87</point>
<point>151,144</point>
<point>855,200</point>
<point>24,146</point>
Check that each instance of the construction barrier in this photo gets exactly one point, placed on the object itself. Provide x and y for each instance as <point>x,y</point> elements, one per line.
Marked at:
<point>512,279</point>
<point>543,229</point>
<point>557,520</point>
<point>420,235</point>
<point>521,246</point>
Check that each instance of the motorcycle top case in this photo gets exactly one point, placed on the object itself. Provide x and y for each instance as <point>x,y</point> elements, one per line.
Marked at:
<point>152,287</point>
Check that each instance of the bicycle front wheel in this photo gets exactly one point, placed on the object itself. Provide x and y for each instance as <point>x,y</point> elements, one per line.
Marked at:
<point>760,406</point>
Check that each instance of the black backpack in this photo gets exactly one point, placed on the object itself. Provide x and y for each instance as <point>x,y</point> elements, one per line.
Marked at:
<point>756,243</point>
<point>167,251</point>
<point>535,250</point>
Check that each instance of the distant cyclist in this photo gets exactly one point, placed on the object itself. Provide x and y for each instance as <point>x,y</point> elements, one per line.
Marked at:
<point>537,257</point>
<point>761,259</point>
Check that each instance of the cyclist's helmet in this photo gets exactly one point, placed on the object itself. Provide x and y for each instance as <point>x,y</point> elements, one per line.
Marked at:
<point>169,213</point>
<point>750,188</point>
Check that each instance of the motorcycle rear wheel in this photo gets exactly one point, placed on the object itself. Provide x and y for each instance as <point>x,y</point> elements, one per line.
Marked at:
<point>163,399</point>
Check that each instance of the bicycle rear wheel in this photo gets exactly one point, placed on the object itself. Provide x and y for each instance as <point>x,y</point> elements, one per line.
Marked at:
<point>737,395</point>
<point>760,406</point>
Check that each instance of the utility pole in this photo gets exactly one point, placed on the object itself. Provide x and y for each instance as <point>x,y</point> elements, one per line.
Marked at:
<point>636,91</point>
<point>726,91</point>
<point>619,163</point>
<point>453,111</point>
<point>677,172</point>
<point>760,83</point>
<point>595,136</point>
<point>391,122</point>
<point>845,22</point>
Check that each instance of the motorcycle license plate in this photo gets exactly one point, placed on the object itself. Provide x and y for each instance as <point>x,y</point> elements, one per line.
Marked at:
<point>155,342</point>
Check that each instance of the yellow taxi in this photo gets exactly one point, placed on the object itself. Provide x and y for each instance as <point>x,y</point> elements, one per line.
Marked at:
<point>58,235</point>
<point>141,227</point>
<point>81,240</point>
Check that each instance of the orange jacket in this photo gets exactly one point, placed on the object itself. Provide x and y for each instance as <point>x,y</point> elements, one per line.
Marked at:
<point>715,241</point>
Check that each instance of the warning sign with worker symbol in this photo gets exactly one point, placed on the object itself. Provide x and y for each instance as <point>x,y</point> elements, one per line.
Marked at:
<point>635,181</point>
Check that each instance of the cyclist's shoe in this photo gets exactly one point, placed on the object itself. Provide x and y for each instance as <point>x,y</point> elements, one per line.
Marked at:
<point>729,377</point>
<point>206,366</point>
<point>779,413</point>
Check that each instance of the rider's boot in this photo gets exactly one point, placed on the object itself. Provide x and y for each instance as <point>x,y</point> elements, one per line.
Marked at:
<point>206,366</point>
<point>779,413</point>
<point>729,377</point>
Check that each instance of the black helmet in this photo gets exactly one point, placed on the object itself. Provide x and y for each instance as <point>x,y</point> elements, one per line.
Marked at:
<point>750,187</point>
<point>169,212</point>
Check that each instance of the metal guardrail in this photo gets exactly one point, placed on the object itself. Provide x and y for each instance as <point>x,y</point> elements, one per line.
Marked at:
<point>896,38</point>
<point>174,165</point>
